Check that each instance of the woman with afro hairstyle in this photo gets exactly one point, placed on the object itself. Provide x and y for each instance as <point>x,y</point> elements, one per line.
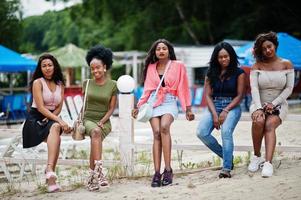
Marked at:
<point>272,82</point>
<point>100,104</point>
<point>224,89</point>
<point>161,57</point>
<point>43,123</point>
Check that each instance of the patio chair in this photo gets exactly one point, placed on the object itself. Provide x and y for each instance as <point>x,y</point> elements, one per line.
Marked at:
<point>14,150</point>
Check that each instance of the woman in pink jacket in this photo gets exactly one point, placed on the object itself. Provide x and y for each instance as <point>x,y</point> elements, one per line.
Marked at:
<point>160,57</point>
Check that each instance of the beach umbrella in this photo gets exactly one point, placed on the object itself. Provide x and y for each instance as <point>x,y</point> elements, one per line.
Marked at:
<point>70,56</point>
<point>12,62</point>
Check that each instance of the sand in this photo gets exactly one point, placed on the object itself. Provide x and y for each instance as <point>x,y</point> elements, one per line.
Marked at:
<point>195,183</point>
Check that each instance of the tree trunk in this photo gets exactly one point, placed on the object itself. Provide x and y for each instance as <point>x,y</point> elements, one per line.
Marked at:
<point>208,19</point>
<point>186,25</point>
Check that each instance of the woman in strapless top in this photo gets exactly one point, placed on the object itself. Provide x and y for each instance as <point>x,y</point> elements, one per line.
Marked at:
<point>272,81</point>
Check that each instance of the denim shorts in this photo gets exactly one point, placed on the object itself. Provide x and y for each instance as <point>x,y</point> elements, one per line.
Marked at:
<point>168,106</point>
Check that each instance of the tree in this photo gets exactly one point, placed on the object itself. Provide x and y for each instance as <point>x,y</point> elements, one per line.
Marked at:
<point>10,24</point>
<point>132,24</point>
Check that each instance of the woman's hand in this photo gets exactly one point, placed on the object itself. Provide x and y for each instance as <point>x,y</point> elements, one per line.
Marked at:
<point>216,122</point>
<point>222,117</point>
<point>258,115</point>
<point>65,127</point>
<point>100,124</point>
<point>189,115</point>
<point>135,112</point>
<point>268,107</point>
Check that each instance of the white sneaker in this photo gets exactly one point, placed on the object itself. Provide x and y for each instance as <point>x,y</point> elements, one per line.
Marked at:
<point>255,163</point>
<point>267,170</point>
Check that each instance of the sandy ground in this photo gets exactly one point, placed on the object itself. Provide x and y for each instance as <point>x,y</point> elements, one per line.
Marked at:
<point>285,184</point>
<point>196,184</point>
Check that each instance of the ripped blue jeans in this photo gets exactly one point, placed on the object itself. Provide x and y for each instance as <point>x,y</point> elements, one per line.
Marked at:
<point>206,127</point>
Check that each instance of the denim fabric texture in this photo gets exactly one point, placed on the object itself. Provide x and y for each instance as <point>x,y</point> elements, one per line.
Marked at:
<point>168,106</point>
<point>205,128</point>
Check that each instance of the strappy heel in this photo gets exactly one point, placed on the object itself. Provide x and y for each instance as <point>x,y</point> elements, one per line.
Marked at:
<point>96,179</point>
<point>102,181</point>
<point>92,183</point>
<point>51,177</point>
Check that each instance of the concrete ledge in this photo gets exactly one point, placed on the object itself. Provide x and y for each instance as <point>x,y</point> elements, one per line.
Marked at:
<point>201,147</point>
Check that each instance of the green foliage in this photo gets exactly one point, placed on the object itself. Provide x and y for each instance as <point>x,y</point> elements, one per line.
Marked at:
<point>131,24</point>
<point>9,23</point>
<point>11,189</point>
<point>217,161</point>
<point>49,31</point>
<point>237,160</point>
<point>192,165</point>
<point>117,71</point>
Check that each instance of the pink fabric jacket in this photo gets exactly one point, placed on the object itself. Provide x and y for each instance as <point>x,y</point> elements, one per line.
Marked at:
<point>176,83</point>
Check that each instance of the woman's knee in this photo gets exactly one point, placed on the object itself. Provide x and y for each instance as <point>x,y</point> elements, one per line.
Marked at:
<point>157,134</point>
<point>272,123</point>
<point>259,124</point>
<point>96,134</point>
<point>227,135</point>
<point>269,127</point>
<point>165,129</point>
<point>56,127</point>
<point>55,131</point>
<point>202,132</point>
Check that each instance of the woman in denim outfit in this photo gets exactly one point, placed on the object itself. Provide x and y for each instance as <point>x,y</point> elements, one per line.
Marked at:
<point>161,57</point>
<point>224,89</point>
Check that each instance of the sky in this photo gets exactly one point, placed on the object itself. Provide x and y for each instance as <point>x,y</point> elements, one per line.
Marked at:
<point>38,7</point>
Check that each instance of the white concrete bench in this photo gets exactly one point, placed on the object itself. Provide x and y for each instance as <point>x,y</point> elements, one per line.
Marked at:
<point>201,147</point>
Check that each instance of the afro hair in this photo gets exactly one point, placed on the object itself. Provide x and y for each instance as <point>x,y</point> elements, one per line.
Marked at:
<point>101,53</point>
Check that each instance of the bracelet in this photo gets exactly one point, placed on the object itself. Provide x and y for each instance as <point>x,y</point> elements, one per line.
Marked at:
<point>226,110</point>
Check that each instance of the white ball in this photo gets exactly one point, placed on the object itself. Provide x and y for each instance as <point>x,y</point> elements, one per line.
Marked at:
<point>125,84</point>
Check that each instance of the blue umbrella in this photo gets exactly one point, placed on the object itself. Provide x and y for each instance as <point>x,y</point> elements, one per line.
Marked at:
<point>11,61</point>
<point>289,48</point>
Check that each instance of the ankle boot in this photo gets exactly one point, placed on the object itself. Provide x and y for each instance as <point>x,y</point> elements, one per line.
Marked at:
<point>156,182</point>
<point>167,177</point>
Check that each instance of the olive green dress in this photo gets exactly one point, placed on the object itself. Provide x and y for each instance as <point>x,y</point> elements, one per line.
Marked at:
<point>97,105</point>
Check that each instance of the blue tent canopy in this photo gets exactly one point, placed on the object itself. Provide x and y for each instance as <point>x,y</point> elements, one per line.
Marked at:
<point>11,61</point>
<point>289,48</point>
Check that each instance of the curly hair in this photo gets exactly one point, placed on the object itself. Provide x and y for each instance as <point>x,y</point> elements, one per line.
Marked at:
<point>260,39</point>
<point>151,55</point>
<point>214,70</point>
<point>57,77</point>
<point>101,53</point>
